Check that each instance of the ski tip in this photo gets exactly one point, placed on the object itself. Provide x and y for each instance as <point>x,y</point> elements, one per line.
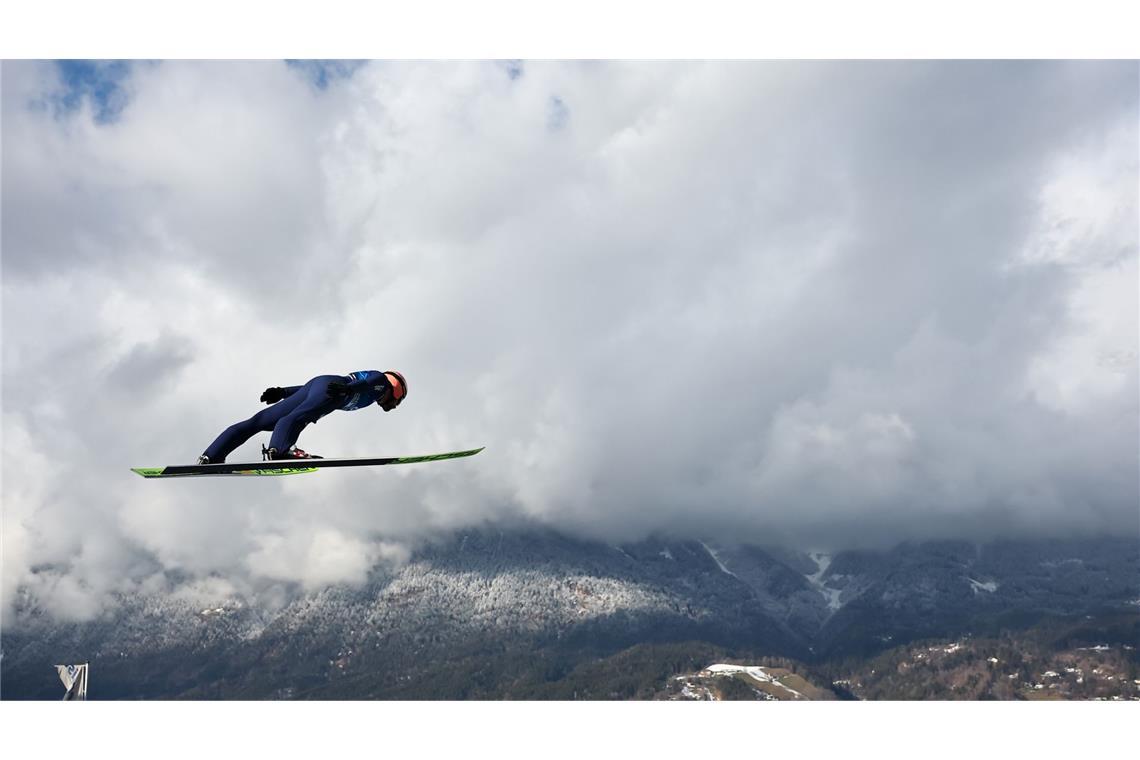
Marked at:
<point>148,472</point>
<point>436,457</point>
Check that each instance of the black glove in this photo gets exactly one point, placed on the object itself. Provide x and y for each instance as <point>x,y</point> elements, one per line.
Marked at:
<point>336,388</point>
<point>273,395</point>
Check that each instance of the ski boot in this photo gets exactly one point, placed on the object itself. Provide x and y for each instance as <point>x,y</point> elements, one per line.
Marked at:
<point>292,453</point>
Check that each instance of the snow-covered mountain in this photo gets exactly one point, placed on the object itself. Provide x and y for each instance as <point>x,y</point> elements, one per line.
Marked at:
<point>490,601</point>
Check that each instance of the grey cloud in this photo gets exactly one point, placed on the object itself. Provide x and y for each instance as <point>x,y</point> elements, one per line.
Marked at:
<point>150,367</point>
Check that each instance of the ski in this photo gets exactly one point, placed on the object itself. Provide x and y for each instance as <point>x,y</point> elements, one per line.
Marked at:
<point>285,467</point>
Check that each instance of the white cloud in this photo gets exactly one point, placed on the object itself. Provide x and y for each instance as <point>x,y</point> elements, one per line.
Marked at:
<point>325,557</point>
<point>1088,226</point>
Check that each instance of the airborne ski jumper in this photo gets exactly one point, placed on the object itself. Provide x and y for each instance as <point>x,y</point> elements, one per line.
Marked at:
<point>290,410</point>
<point>294,407</point>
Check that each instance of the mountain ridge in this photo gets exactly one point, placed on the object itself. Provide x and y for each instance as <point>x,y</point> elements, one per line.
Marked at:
<point>477,595</point>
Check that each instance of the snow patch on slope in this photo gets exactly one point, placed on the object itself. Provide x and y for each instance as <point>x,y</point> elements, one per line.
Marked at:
<point>978,586</point>
<point>752,671</point>
<point>716,559</point>
<point>822,562</point>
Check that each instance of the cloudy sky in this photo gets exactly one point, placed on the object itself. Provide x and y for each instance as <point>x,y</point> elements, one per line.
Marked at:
<point>819,304</point>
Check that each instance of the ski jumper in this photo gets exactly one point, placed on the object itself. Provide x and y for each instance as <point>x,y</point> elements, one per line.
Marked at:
<point>302,405</point>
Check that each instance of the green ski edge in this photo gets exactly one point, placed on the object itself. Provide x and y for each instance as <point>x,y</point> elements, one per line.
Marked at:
<point>273,468</point>
<point>434,457</point>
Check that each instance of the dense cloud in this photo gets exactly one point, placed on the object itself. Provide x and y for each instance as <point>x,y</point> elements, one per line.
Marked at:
<point>829,305</point>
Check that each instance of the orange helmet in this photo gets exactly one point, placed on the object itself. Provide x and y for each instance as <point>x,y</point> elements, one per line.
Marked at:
<point>396,398</point>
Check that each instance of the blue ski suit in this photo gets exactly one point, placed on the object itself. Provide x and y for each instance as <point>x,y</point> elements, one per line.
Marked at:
<point>301,405</point>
